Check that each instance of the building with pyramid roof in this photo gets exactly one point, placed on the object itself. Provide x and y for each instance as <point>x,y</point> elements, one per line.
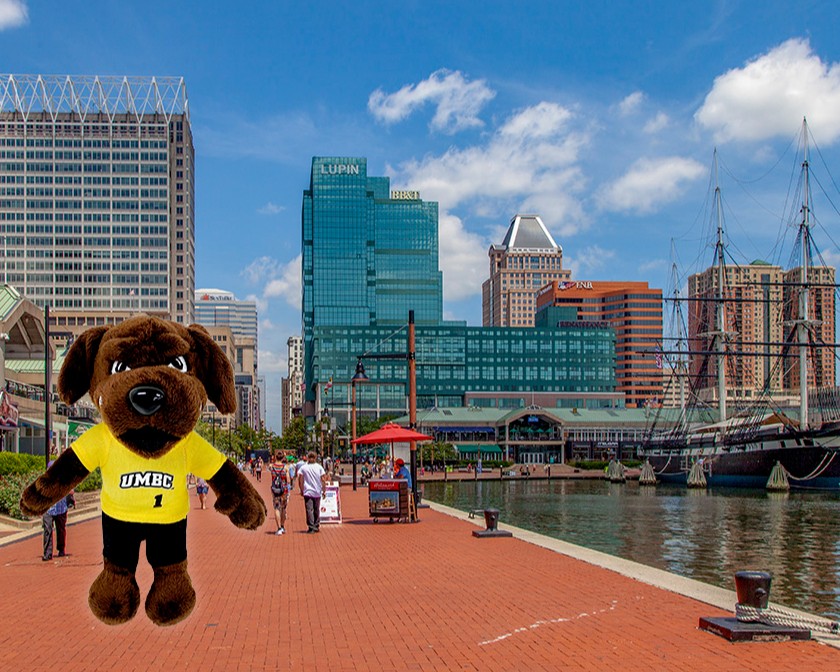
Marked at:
<point>527,259</point>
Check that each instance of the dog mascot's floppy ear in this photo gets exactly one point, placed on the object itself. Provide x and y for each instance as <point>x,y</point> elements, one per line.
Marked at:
<point>214,369</point>
<point>150,379</point>
<point>77,370</point>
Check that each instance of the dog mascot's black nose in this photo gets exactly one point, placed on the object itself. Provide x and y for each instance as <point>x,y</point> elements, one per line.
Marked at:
<point>146,399</point>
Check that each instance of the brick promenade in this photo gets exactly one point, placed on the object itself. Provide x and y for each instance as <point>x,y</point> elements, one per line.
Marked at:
<point>362,596</point>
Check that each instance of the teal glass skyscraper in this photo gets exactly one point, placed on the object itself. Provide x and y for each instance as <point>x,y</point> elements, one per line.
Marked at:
<point>369,254</point>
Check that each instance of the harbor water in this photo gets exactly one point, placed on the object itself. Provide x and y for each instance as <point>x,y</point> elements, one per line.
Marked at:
<point>706,535</point>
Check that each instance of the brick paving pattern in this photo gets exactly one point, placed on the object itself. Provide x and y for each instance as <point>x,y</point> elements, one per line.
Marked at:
<point>368,596</point>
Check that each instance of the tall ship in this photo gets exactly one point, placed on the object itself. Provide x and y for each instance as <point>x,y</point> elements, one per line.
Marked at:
<point>785,430</point>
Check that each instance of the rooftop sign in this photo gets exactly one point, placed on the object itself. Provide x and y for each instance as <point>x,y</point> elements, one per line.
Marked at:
<point>339,169</point>
<point>405,195</point>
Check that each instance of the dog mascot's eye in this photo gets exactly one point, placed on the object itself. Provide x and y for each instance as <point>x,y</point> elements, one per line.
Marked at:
<point>179,363</point>
<point>119,367</point>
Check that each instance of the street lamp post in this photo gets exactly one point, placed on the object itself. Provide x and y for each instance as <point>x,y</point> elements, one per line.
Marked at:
<point>358,377</point>
<point>409,356</point>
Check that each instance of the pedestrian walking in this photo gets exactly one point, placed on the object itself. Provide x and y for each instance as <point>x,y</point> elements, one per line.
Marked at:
<point>56,516</point>
<point>201,489</point>
<point>280,486</point>
<point>312,480</point>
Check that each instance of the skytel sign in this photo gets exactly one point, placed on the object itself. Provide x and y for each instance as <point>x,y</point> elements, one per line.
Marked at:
<point>339,169</point>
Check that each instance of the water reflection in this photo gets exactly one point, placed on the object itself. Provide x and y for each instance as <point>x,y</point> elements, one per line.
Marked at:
<point>704,535</point>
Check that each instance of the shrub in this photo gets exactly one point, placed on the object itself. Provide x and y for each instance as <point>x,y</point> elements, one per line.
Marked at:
<point>20,463</point>
<point>92,482</point>
<point>11,487</point>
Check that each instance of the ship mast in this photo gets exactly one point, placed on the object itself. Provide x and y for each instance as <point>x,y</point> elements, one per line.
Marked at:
<point>719,344</point>
<point>804,294</point>
<point>680,368</point>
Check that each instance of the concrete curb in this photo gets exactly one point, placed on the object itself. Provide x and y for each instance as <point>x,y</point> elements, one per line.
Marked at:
<point>696,590</point>
<point>34,530</point>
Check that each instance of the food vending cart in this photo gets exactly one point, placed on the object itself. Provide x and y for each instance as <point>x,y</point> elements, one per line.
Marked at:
<point>388,498</point>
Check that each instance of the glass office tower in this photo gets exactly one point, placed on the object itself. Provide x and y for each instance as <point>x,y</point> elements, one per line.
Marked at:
<point>369,254</point>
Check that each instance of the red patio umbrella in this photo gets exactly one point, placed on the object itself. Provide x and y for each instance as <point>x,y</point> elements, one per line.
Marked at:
<point>391,432</point>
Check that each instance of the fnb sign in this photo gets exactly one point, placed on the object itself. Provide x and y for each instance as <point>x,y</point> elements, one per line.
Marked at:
<point>584,284</point>
<point>339,169</point>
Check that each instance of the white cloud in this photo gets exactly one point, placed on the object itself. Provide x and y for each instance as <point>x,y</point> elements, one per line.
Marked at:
<point>270,209</point>
<point>463,259</point>
<point>653,265</point>
<point>458,101</point>
<point>529,164</point>
<point>262,270</point>
<point>532,152</point>
<point>287,283</point>
<point>13,13</point>
<point>771,94</point>
<point>660,121</point>
<point>587,261</point>
<point>272,362</point>
<point>648,184</point>
<point>631,103</point>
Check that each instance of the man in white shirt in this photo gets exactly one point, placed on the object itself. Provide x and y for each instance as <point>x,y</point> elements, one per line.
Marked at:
<point>312,480</point>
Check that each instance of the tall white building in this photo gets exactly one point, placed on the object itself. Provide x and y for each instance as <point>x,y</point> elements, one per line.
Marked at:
<point>293,383</point>
<point>218,308</point>
<point>97,196</point>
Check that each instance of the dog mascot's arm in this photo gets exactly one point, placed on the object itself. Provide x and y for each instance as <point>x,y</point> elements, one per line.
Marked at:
<point>64,475</point>
<point>237,498</point>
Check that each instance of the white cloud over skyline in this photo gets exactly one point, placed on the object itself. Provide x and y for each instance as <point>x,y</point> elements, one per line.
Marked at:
<point>648,184</point>
<point>457,101</point>
<point>271,209</point>
<point>13,14</point>
<point>769,95</point>
<point>286,283</point>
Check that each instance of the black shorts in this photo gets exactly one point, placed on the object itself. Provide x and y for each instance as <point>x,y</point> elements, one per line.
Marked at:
<point>166,543</point>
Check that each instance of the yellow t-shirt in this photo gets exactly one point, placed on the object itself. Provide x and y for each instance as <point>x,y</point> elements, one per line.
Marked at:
<point>142,490</point>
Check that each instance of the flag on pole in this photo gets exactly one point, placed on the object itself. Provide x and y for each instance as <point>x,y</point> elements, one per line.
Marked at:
<point>328,385</point>
<point>658,357</point>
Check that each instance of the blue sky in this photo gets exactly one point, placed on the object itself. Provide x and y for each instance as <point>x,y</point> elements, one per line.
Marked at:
<point>601,117</point>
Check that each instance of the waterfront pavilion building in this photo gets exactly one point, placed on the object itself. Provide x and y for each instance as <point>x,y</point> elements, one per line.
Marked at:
<point>97,197</point>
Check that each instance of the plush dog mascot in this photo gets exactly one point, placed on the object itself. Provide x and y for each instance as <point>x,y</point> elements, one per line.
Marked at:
<point>150,379</point>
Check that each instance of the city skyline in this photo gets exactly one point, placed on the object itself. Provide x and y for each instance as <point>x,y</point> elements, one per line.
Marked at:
<point>601,120</point>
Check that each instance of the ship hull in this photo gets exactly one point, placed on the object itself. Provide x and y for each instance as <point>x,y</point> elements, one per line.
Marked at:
<point>812,461</point>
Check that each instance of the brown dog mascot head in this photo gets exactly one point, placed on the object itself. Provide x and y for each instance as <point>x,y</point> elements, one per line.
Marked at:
<point>150,379</point>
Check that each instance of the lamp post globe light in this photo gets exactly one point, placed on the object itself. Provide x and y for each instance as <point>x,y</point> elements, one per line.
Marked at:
<point>359,377</point>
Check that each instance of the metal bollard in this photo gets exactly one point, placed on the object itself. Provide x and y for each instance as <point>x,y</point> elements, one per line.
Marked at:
<point>491,520</point>
<point>753,588</point>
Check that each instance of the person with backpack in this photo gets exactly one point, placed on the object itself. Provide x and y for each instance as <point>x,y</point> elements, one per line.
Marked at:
<point>280,486</point>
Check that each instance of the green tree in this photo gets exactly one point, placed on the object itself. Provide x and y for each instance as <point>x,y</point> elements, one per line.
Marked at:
<point>437,452</point>
<point>294,437</point>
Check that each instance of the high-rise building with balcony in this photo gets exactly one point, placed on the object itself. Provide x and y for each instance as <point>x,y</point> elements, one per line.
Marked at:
<point>760,304</point>
<point>527,260</point>
<point>97,196</point>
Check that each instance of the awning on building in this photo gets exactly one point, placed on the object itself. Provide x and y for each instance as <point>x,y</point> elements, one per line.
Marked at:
<point>466,449</point>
